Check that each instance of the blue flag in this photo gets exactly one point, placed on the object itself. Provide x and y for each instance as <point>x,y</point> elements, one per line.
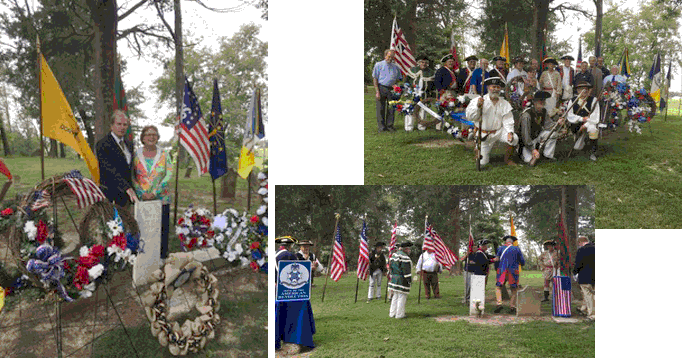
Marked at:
<point>216,134</point>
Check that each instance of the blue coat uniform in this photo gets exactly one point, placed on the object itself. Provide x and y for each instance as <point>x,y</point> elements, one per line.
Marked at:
<point>294,322</point>
<point>480,266</point>
<point>443,79</point>
<point>508,268</point>
<point>584,264</point>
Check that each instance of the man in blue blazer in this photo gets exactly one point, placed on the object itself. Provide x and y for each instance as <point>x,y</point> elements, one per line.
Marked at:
<point>115,156</point>
<point>584,272</point>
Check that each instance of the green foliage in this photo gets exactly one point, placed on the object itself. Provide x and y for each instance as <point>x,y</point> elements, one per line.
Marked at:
<point>240,67</point>
<point>645,32</point>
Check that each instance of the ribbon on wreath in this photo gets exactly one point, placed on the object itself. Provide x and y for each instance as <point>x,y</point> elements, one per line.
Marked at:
<point>49,266</point>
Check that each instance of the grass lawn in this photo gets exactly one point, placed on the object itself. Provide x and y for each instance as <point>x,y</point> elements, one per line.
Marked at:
<point>638,178</point>
<point>357,330</point>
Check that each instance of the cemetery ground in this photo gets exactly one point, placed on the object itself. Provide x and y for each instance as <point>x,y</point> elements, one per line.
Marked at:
<point>439,327</point>
<point>637,176</point>
<point>91,327</point>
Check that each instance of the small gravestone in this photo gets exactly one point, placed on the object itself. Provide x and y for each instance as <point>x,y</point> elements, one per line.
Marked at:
<point>477,296</point>
<point>148,217</point>
<point>528,302</point>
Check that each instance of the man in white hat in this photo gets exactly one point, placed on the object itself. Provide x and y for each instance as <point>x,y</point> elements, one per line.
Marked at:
<point>494,116</point>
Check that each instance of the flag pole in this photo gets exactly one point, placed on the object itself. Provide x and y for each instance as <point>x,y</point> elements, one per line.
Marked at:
<point>177,174</point>
<point>388,274</point>
<point>421,273</point>
<point>248,199</point>
<point>667,91</point>
<point>357,283</point>
<point>331,254</point>
<point>40,107</point>
<point>215,205</point>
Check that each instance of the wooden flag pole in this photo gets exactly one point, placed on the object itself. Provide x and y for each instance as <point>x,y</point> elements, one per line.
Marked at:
<point>40,108</point>
<point>667,94</point>
<point>248,199</point>
<point>329,261</point>
<point>177,178</point>
<point>421,273</point>
<point>357,283</point>
<point>215,204</point>
<point>388,273</point>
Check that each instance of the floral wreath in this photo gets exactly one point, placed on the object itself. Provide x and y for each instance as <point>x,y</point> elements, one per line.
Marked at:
<point>404,98</point>
<point>193,229</point>
<point>193,334</point>
<point>241,238</point>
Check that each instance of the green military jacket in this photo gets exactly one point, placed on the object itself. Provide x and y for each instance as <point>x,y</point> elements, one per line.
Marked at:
<point>401,272</point>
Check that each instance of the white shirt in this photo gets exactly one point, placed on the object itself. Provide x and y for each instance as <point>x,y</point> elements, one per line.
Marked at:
<point>566,80</point>
<point>516,72</point>
<point>594,116</point>
<point>429,262</point>
<point>495,117</point>
<point>127,153</point>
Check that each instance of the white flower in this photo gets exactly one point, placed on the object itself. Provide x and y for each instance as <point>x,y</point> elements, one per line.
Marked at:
<point>219,222</point>
<point>203,212</point>
<point>114,227</point>
<point>261,210</point>
<point>232,256</point>
<point>238,248</point>
<point>31,230</point>
<point>265,221</point>
<point>219,238</point>
<point>96,271</point>
<point>210,242</point>
<point>233,212</point>
<point>228,232</point>
<point>181,230</point>
<point>234,224</point>
<point>84,251</point>
<point>87,290</point>
<point>260,261</point>
<point>265,199</point>
<point>263,191</point>
<point>262,176</point>
<point>245,261</point>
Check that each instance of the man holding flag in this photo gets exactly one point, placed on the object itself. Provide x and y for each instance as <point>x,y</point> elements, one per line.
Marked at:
<point>401,279</point>
<point>428,268</point>
<point>377,269</point>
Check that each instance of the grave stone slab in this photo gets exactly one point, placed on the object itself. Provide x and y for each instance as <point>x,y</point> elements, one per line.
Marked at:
<point>148,217</point>
<point>528,302</point>
<point>477,293</point>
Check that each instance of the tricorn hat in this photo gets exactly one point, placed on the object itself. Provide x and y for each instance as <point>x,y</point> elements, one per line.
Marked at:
<point>567,57</point>
<point>519,59</point>
<point>379,243</point>
<point>406,244</point>
<point>509,237</point>
<point>483,242</point>
<point>494,81</point>
<point>285,240</point>
<point>499,58</point>
<point>550,60</point>
<point>583,84</point>
<point>549,242</point>
<point>472,57</point>
<point>447,57</point>
<point>541,95</point>
<point>423,57</point>
<point>305,242</point>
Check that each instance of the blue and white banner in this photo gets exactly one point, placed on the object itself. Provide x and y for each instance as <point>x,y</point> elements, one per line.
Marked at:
<point>293,282</point>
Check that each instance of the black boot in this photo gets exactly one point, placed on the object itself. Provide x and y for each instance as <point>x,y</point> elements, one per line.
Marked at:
<point>546,296</point>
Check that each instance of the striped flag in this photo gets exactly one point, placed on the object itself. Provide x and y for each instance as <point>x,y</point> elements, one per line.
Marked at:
<point>443,255</point>
<point>403,54</point>
<point>4,170</point>
<point>453,50</point>
<point>41,199</point>
<point>470,246</point>
<point>86,191</point>
<point>363,259</point>
<point>338,256</point>
<point>561,303</point>
<point>624,63</point>
<point>391,245</point>
<point>192,131</point>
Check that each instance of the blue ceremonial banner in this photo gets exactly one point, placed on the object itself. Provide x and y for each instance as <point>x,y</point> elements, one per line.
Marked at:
<point>461,117</point>
<point>294,280</point>
<point>216,134</point>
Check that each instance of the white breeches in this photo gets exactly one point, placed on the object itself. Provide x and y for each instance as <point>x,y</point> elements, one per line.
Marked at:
<point>592,132</point>
<point>487,144</point>
<point>375,284</point>
<point>548,151</point>
<point>398,305</point>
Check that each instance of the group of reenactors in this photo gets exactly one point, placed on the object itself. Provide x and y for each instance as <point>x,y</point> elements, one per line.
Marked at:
<point>553,102</point>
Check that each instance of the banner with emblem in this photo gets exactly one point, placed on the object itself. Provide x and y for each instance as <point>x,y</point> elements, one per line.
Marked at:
<point>293,281</point>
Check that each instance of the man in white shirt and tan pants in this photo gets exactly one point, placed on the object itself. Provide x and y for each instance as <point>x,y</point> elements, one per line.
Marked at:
<point>429,268</point>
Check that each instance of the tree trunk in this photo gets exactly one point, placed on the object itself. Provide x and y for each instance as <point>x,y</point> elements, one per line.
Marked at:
<point>229,188</point>
<point>53,148</point>
<point>179,62</point>
<point>3,135</point>
<point>62,151</point>
<point>598,25</point>
<point>105,19</point>
<point>543,13</point>
<point>87,126</point>
<point>534,29</point>
<point>569,206</point>
<point>410,29</point>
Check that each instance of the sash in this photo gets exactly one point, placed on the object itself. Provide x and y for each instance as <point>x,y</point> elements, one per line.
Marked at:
<point>505,250</point>
<point>467,82</point>
<point>277,262</point>
<point>454,78</point>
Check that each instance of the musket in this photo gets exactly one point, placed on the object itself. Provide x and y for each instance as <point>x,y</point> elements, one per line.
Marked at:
<point>554,128</point>
<point>480,126</point>
<point>588,115</point>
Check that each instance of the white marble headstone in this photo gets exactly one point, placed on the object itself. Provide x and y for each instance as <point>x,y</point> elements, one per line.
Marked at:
<point>477,293</point>
<point>148,216</point>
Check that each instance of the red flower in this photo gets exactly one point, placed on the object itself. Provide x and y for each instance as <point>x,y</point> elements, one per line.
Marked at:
<point>88,261</point>
<point>204,243</point>
<point>118,240</point>
<point>204,220</point>
<point>193,217</point>
<point>210,233</point>
<point>193,242</point>
<point>266,186</point>
<point>255,245</point>
<point>182,237</point>
<point>254,266</point>
<point>7,212</point>
<point>254,219</point>
<point>42,232</point>
<point>97,250</point>
<point>181,220</point>
<point>81,278</point>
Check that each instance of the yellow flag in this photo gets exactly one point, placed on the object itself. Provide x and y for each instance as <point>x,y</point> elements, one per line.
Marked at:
<point>504,50</point>
<point>2,297</point>
<point>246,162</point>
<point>58,120</point>
<point>254,130</point>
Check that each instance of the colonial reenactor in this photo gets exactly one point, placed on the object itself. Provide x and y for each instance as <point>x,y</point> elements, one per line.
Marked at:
<point>509,257</point>
<point>499,70</point>
<point>583,118</point>
<point>478,77</point>
<point>401,279</point>
<point>377,269</point>
<point>567,74</point>
<point>284,251</point>
<point>465,76</point>
<point>445,79</point>
<point>494,116</point>
<point>519,62</point>
<point>305,254</point>
<point>429,268</point>
<point>536,126</point>
<point>550,81</point>
<point>423,76</point>
<point>549,262</point>
<point>478,261</point>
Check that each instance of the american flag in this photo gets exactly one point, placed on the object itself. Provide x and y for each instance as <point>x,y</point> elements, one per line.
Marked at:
<point>453,50</point>
<point>470,246</point>
<point>444,255</point>
<point>363,259</point>
<point>561,303</point>
<point>391,245</point>
<point>403,54</point>
<point>192,131</point>
<point>338,256</point>
<point>86,191</point>
<point>41,199</point>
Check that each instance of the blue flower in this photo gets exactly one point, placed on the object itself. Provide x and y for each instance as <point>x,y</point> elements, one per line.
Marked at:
<point>256,255</point>
<point>132,241</point>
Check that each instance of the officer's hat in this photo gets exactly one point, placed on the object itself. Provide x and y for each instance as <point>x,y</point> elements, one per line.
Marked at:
<point>379,243</point>
<point>472,57</point>
<point>541,95</point>
<point>567,57</point>
<point>583,84</point>
<point>550,60</point>
<point>500,58</point>
<point>519,59</point>
<point>305,242</point>
<point>447,57</point>
<point>509,237</point>
<point>286,240</point>
<point>549,242</point>
<point>494,81</point>
<point>483,242</point>
<point>406,244</point>
<point>423,57</point>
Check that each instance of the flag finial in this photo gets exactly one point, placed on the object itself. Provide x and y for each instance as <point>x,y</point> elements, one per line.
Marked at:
<point>337,215</point>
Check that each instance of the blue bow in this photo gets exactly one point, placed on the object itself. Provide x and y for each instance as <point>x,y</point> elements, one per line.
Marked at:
<point>49,266</point>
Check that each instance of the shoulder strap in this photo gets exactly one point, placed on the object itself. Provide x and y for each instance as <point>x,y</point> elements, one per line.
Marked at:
<point>505,250</point>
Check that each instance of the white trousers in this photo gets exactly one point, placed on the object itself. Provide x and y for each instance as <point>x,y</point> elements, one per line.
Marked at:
<point>548,151</point>
<point>592,132</point>
<point>398,305</point>
<point>375,284</point>
<point>487,144</point>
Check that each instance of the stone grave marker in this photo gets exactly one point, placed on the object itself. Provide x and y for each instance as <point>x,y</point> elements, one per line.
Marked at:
<point>477,293</point>
<point>148,217</point>
<point>528,302</point>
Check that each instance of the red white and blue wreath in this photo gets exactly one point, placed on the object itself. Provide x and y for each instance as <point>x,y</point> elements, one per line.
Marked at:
<point>194,229</point>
